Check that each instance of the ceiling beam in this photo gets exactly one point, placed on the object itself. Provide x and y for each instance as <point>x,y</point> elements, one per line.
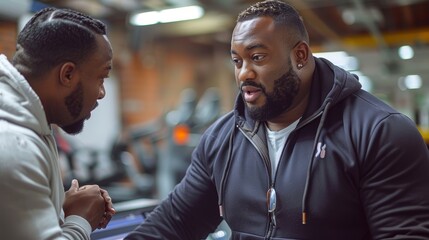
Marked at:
<point>411,37</point>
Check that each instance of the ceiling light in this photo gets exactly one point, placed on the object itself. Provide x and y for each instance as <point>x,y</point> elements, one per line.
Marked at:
<point>406,52</point>
<point>354,16</point>
<point>146,18</point>
<point>167,15</point>
<point>413,81</point>
<point>181,14</point>
<point>410,82</point>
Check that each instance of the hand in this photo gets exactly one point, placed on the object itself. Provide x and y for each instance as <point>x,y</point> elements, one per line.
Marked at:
<point>87,202</point>
<point>109,210</point>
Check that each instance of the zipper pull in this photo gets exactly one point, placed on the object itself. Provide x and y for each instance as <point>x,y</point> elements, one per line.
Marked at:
<point>271,202</point>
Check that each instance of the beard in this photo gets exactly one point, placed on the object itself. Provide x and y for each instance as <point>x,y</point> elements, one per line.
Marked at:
<point>285,89</point>
<point>74,128</point>
<point>74,104</point>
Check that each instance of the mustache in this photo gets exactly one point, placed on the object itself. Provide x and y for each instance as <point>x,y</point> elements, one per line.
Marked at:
<point>252,84</point>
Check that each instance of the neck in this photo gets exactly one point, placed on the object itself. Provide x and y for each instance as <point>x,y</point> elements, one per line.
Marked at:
<point>290,115</point>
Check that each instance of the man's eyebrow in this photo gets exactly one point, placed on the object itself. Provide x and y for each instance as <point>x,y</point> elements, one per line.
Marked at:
<point>256,45</point>
<point>253,46</point>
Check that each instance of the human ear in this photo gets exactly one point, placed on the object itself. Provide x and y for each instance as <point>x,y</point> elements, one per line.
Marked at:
<point>67,72</point>
<point>300,54</point>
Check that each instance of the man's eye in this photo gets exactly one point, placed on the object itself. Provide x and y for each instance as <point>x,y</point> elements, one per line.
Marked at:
<point>258,57</point>
<point>236,61</point>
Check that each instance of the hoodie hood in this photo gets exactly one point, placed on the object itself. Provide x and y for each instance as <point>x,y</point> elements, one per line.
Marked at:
<point>331,83</point>
<point>19,104</point>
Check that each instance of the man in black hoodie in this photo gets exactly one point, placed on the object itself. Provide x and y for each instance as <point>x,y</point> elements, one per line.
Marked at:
<point>306,153</point>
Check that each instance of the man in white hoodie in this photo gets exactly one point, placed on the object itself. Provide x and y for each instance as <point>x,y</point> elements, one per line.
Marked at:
<point>55,77</point>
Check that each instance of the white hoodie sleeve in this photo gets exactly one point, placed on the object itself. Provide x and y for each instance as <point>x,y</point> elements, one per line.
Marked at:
<point>31,189</point>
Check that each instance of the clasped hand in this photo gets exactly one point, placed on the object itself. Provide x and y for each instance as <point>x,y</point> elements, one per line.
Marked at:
<point>90,202</point>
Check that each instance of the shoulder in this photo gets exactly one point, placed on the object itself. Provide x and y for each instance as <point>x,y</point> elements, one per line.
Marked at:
<point>364,108</point>
<point>22,150</point>
<point>221,127</point>
<point>370,101</point>
<point>216,136</point>
<point>378,126</point>
<point>367,119</point>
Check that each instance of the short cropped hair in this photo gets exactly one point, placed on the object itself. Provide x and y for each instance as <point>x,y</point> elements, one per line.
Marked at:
<point>282,13</point>
<point>54,36</point>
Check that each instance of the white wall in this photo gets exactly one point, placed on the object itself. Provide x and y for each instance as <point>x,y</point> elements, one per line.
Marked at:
<point>104,125</point>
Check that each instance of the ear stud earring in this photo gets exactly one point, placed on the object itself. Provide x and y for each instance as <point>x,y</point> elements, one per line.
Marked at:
<point>299,66</point>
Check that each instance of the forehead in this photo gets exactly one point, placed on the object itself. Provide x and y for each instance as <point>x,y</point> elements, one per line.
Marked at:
<point>101,57</point>
<point>104,48</point>
<point>260,30</point>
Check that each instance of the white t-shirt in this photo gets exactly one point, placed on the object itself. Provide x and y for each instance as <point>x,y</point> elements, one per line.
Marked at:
<point>276,143</point>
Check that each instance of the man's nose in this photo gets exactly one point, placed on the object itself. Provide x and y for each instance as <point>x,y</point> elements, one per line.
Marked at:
<point>246,72</point>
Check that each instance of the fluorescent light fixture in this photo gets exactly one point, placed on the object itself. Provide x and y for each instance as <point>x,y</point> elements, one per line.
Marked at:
<point>145,18</point>
<point>341,59</point>
<point>406,52</point>
<point>167,15</point>
<point>181,14</point>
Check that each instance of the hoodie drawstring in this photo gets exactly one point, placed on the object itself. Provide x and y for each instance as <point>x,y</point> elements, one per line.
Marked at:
<point>310,165</point>
<point>225,172</point>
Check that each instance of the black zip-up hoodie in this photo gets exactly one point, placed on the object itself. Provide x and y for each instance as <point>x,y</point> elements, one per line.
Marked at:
<point>354,168</point>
